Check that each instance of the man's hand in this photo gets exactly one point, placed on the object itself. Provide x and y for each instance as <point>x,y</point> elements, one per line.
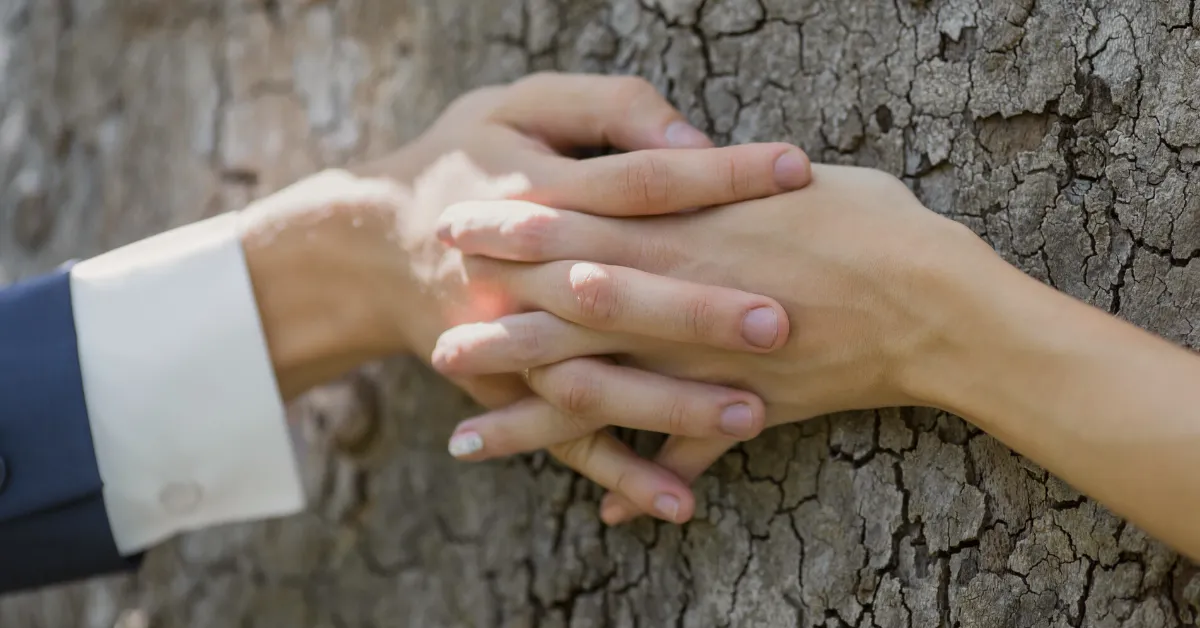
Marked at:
<point>351,266</point>
<point>855,259</point>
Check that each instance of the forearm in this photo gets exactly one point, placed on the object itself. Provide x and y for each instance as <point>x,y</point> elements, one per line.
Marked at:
<point>311,330</point>
<point>138,402</point>
<point>1110,408</point>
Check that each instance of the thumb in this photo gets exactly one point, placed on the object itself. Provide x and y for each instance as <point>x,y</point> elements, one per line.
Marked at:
<point>685,456</point>
<point>581,110</point>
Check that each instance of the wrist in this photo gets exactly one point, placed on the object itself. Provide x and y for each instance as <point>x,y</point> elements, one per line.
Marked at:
<point>971,302</point>
<point>1001,336</point>
<point>328,281</point>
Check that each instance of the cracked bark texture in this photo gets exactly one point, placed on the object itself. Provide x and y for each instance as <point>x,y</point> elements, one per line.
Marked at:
<point>1065,132</point>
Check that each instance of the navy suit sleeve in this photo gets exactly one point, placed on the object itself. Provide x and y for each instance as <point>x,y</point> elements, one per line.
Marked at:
<point>53,523</point>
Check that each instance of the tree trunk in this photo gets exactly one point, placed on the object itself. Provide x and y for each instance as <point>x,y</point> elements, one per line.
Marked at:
<point>1065,132</point>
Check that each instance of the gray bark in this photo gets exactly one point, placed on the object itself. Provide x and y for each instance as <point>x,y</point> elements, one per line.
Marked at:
<point>1065,132</point>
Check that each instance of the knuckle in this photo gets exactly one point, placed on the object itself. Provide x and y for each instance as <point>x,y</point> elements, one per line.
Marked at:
<point>629,94</point>
<point>645,182</point>
<point>700,317</point>
<point>622,482</point>
<point>580,395</point>
<point>678,413</point>
<point>577,453</point>
<point>630,89</point>
<point>738,182</point>
<point>577,424</point>
<point>596,294</point>
<point>528,347</point>
<point>531,234</point>
<point>624,99</point>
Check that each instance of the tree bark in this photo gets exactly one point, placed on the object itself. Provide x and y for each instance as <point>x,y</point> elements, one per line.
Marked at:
<point>1065,132</point>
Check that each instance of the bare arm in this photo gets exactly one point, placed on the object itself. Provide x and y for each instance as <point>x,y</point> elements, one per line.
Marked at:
<point>890,305</point>
<point>1109,407</point>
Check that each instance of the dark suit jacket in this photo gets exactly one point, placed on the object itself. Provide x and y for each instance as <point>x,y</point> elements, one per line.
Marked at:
<point>53,524</point>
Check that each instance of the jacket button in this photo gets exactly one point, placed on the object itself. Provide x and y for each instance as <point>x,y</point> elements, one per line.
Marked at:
<point>3,473</point>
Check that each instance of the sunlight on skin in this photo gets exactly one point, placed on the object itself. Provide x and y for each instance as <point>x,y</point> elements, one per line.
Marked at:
<point>451,179</point>
<point>340,235</point>
<point>438,269</point>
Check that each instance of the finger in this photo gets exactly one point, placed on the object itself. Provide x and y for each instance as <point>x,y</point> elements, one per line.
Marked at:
<point>600,393</point>
<point>625,300</point>
<point>517,342</point>
<point>646,486</point>
<point>666,181</point>
<point>685,457</point>
<point>513,429</point>
<point>618,299</point>
<point>584,395</point>
<point>635,184</point>
<point>585,110</point>
<point>522,231</point>
<point>494,391</point>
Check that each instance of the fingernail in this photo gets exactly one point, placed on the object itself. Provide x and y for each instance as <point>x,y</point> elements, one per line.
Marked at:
<point>465,444</point>
<point>760,327</point>
<point>684,135</point>
<point>667,506</point>
<point>792,170</point>
<point>737,420</point>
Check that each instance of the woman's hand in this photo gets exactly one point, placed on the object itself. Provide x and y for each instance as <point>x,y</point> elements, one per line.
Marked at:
<point>867,276</point>
<point>889,304</point>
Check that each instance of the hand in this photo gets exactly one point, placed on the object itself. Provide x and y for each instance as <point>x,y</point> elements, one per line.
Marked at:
<point>348,266</point>
<point>854,258</point>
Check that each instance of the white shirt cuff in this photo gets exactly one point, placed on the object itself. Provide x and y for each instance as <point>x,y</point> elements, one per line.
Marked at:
<point>188,425</point>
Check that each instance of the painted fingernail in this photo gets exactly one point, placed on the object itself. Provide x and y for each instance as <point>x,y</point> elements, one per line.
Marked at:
<point>760,327</point>
<point>737,421</point>
<point>792,170</point>
<point>684,135</point>
<point>465,444</point>
<point>667,506</point>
